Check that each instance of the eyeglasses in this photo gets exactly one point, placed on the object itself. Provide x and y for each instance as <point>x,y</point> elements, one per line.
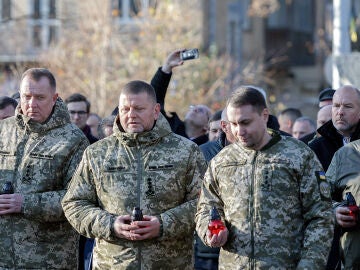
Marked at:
<point>81,113</point>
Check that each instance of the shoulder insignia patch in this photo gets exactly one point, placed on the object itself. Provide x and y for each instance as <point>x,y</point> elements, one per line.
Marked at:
<point>324,186</point>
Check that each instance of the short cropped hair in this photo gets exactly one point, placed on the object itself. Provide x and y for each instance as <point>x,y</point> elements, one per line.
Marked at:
<point>6,101</point>
<point>247,95</point>
<point>78,98</point>
<point>37,73</point>
<point>291,113</point>
<point>137,87</point>
<point>307,119</point>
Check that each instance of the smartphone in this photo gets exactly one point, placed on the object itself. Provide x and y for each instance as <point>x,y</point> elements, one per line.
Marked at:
<point>189,54</point>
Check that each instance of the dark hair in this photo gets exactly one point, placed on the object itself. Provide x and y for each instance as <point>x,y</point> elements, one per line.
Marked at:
<point>137,87</point>
<point>37,73</point>
<point>216,116</point>
<point>78,98</point>
<point>291,113</point>
<point>247,95</point>
<point>6,101</point>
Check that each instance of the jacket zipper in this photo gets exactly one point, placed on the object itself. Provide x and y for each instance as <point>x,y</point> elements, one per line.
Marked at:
<point>139,179</point>
<point>252,213</point>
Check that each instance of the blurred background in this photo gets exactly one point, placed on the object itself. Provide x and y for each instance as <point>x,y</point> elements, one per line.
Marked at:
<point>94,47</point>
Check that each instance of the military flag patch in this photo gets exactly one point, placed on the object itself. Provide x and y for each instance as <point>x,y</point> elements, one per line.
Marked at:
<point>324,186</point>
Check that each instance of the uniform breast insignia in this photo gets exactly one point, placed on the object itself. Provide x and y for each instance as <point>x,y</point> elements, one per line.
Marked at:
<point>324,186</point>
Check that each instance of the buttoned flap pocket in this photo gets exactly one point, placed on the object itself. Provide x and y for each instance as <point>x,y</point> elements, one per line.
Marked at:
<point>117,181</point>
<point>38,173</point>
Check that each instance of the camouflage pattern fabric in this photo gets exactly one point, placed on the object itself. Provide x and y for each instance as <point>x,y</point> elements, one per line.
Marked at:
<point>344,176</point>
<point>278,214</point>
<point>158,171</point>
<point>39,160</point>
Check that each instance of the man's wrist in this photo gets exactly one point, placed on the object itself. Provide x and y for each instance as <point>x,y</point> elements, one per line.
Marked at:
<point>166,69</point>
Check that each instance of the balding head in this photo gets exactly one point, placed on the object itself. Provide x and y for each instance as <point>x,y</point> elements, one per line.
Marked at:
<point>346,109</point>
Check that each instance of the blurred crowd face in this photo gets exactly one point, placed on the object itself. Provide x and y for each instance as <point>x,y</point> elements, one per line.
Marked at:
<point>323,115</point>
<point>37,98</point>
<point>78,113</point>
<point>346,110</point>
<point>214,130</point>
<point>248,126</point>
<point>93,122</point>
<point>198,115</point>
<point>7,112</point>
<point>137,113</point>
<point>301,129</point>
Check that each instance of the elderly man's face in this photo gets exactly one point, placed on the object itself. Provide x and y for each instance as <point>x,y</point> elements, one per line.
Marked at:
<point>37,98</point>
<point>346,110</point>
<point>137,112</point>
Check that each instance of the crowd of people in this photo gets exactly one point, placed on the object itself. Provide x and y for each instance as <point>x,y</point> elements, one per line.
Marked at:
<point>280,184</point>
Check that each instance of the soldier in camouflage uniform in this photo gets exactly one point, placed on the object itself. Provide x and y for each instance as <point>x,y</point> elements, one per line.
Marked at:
<point>142,164</point>
<point>270,192</point>
<point>39,152</point>
<point>344,176</point>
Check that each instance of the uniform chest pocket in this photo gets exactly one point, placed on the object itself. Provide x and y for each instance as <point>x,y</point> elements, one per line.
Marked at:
<point>7,161</point>
<point>39,174</point>
<point>117,181</point>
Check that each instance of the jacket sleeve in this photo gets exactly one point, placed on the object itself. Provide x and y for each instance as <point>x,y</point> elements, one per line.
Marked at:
<point>46,206</point>
<point>179,221</point>
<point>81,207</point>
<point>208,198</point>
<point>160,82</point>
<point>317,214</point>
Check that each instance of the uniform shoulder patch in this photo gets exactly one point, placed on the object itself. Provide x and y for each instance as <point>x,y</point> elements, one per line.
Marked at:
<point>324,186</point>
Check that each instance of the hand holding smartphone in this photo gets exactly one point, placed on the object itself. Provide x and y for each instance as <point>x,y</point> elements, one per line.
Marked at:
<point>189,54</point>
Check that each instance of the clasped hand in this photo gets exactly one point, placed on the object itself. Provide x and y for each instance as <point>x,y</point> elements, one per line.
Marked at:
<point>148,228</point>
<point>10,203</point>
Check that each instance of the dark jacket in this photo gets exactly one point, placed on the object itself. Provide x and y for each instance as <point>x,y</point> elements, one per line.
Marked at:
<point>201,139</point>
<point>210,149</point>
<point>160,82</point>
<point>89,136</point>
<point>329,142</point>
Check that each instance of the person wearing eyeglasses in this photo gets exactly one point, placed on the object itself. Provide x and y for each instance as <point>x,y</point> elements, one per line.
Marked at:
<point>79,109</point>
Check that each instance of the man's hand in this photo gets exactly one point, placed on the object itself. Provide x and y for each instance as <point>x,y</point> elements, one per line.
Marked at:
<point>123,228</point>
<point>217,240</point>
<point>343,217</point>
<point>11,203</point>
<point>148,228</point>
<point>173,60</point>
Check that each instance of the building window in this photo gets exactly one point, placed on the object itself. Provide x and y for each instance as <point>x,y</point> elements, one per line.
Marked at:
<point>127,10</point>
<point>5,10</point>
<point>290,33</point>
<point>44,25</point>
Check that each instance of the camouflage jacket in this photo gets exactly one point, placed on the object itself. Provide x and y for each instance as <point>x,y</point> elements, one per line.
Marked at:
<point>158,171</point>
<point>277,211</point>
<point>39,160</point>
<point>344,176</point>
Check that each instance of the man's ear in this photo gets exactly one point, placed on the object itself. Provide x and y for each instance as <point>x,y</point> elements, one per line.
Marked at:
<point>156,111</point>
<point>54,98</point>
<point>265,114</point>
